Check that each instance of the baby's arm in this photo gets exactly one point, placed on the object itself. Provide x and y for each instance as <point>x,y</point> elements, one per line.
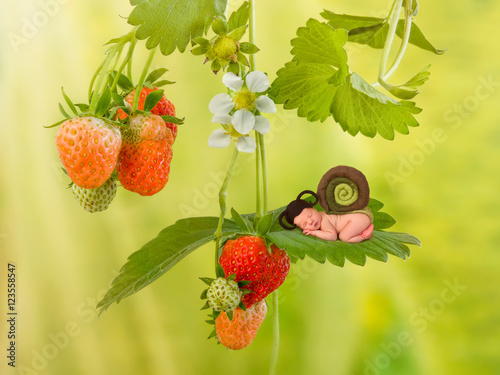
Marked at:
<point>324,235</point>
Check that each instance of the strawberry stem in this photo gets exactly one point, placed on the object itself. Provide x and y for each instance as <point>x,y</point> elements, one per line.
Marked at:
<point>143,78</point>
<point>223,204</point>
<point>276,334</point>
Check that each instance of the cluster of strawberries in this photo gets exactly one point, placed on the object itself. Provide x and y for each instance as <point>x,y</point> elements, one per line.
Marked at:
<point>252,271</point>
<point>92,149</point>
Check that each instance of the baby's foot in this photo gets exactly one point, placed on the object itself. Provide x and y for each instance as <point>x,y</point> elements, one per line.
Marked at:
<point>367,233</point>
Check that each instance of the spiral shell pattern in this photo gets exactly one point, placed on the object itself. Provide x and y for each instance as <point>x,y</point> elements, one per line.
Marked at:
<point>343,189</point>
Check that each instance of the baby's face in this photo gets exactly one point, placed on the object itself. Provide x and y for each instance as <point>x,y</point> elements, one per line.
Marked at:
<point>309,219</point>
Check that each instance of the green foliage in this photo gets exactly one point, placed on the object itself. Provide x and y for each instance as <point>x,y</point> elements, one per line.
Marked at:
<point>159,255</point>
<point>171,23</point>
<point>373,31</point>
<point>317,82</point>
<point>378,247</point>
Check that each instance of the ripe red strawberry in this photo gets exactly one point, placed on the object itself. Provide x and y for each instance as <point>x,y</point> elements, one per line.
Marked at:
<point>249,258</point>
<point>238,333</point>
<point>162,108</point>
<point>89,149</point>
<point>144,161</point>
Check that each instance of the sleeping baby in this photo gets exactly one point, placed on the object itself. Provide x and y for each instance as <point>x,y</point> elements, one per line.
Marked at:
<point>349,227</point>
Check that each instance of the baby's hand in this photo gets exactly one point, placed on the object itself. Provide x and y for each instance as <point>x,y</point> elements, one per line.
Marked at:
<point>307,232</point>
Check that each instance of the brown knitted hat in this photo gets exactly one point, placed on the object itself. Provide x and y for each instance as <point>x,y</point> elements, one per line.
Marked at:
<point>294,209</point>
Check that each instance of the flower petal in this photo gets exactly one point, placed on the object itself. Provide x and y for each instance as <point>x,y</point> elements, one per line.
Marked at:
<point>222,119</point>
<point>246,144</point>
<point>219,139</point>
<point>257,81</point>
<point>232,81</point>
<point>265,104</point>
<point>243,121</point>
<point>262,125</point>
<point>221,104</point>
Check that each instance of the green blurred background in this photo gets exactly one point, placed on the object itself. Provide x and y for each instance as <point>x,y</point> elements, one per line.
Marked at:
<point>437,313</point>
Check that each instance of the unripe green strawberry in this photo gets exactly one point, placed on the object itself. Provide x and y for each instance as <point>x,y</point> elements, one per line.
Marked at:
<point>224,294</point>
<point>95,200</point>
<point>239,332</point>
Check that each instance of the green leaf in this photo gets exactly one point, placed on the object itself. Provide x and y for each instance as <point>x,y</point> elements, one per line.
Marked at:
<point>152,99</point>
<point>173,119</point>
<point>239,221</point>
<point>172,23</point>
<point>373,31</point>
<point>212,334</point>
<point>378,247</point>
<point>219,271</point>
<point>230,314</point>
<point>249,48</point>
<point>375,205</point>
<point>69,102</point>
<point>207,280</point>
<point>162,253</point>
<point>265,224</point>
<point>238,33</point>
<point>219,26</point>
<point>82,107</point>
<point>382,220</point>
<point>205,306</point>
<point>124,83</point>
<point>155,75</point>
<point>63,112</point>
<point>204,294</point>
<point>358,107</point>
<point>103,103</point>
<point>319,43</point>
<point>118,99</point>
<point>164,82</point>
<point>54,125</point>
<point>240,17</point>
<point>242,306</point>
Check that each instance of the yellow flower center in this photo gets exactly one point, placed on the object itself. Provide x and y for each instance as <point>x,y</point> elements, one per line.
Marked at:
<point>224,47</point>
<point>245,99</point>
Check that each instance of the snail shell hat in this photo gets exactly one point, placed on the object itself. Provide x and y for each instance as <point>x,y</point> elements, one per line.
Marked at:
<point>343,189</point>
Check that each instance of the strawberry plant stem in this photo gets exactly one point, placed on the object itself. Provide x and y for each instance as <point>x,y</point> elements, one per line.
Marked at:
<point>393,23</point>
<point>223,204</point>
<point>260,139</point>
<point>406,38</point>
<point>276,335</point>
<point>143,78</point>
<point>259,212</point>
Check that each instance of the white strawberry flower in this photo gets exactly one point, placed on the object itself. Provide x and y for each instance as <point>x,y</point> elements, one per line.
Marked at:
<point>239,111</point>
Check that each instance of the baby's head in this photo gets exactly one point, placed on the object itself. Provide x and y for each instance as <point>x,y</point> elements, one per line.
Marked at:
<point>300,212</point>
<point>309,219</point>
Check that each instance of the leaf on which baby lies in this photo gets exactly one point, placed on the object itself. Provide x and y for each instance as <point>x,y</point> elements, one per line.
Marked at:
<point>373,31</point>
<point>382,244</point>
<point>191,18</point>
<point>162,253</point>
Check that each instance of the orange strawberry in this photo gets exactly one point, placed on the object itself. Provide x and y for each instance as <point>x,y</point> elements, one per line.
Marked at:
<point>238,333</point>
<point>162,108</point>
<point>89,149</point>
<point>249,258</point>
<point>144,161</point>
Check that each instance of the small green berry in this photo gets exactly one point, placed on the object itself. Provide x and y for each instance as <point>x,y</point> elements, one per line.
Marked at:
<point>224,295</point>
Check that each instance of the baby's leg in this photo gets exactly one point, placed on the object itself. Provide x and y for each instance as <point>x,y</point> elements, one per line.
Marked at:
<point>357,229</point>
